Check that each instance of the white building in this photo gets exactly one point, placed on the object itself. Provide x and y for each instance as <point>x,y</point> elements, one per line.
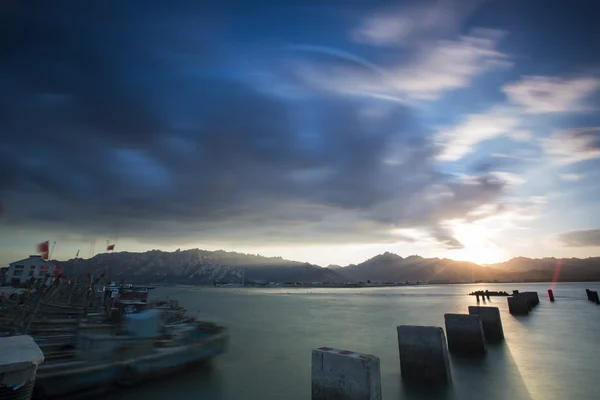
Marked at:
<point>33,267</point>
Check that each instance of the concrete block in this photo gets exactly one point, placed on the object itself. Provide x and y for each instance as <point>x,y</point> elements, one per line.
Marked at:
<point>532,298</point>
<point>518,305</point>
<point>491,321</point>
<point>424,355</point>
<point>345,375</point>
<point>465,334</point>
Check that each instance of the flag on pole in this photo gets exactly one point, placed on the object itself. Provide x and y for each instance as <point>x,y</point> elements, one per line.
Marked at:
<point>110,247</point>
<point>44,249</point>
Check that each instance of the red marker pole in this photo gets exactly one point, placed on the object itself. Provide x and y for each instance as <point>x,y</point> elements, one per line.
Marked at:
<point>550,295</point>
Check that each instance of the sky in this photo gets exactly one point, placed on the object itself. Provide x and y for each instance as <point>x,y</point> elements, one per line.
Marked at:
<point>325,132</point>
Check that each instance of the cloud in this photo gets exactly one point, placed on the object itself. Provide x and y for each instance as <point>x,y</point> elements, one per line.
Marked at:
<point>570,177</point>
<point>521,136</point>
<point>117,124</point>
<point>541,94</point>
<point>449,65</point>
<point>431,70</point>
<point>446,237</point>
<point>461,140</point>
<point>572,145</point>
<point>583,238</point>
<point>405,25</point>
<point>509,177</point>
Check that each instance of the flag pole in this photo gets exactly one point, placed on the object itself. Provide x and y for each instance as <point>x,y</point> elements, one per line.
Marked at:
<point>50,255</point>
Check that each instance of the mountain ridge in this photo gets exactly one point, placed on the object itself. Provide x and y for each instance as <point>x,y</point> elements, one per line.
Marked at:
<point>196,266</point>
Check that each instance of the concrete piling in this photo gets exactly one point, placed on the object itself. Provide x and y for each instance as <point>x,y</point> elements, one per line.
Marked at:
<point>518,305</point>
<point>589,294</point>
<point>491,321</point>
<point>345,375</point>
<point>551,295</point>
<point>533,298</point>
<point>594,298</point>
<point>424,355</point>
<point>465,334</point>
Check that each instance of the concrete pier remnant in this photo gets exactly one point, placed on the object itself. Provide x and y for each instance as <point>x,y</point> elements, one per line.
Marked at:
<point>551,295</point>
<point>594,298</point>
<point>424,355</point>
<point>491,321</point>
<point>532,298</point>
<point>589,294</point>
<point>343,374</point>
<point>19,360</point>
<point>518,305</point>
<point>465,334</point>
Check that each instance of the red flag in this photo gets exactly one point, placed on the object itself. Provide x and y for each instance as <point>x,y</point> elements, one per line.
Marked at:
<point>110,247</point>
<point>45,255</point>
<point>43,247</point>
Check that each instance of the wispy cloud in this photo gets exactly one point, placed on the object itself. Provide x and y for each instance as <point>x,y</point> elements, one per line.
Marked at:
<point>405,25</point>
<point>433,69</point>
<point>462,139</point>
<point>573,145</point>
<point>521,136</point>
<point>450,65</point>
<point>582,238</point>
<point>542,94</point>
<point>570,177</point>
<point>509,177</point>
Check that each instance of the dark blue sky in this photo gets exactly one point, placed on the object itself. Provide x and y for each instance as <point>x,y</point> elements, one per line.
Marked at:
<point>466,129</point>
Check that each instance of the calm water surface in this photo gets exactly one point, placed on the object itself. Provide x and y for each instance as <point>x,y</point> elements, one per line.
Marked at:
<point>554,353</point>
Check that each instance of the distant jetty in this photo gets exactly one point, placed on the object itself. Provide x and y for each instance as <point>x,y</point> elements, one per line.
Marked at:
<point>487,293</point>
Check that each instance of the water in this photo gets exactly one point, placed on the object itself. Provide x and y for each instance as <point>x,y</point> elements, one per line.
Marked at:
<point>551,354</point>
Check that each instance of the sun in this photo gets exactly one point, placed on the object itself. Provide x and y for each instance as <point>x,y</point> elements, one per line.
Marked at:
<point>478,247</point>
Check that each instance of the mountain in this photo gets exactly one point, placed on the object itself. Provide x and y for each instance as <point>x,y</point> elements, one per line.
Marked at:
<point>197,267</point>
<point>205,267</point>
<point>565,269</point>
<point>389,267</point>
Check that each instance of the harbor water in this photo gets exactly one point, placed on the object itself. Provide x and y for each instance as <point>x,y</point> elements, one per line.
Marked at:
<point>553,353</point>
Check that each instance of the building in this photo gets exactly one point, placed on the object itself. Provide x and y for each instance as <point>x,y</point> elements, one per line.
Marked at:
<point>3,271</point>
<point>33,267</point>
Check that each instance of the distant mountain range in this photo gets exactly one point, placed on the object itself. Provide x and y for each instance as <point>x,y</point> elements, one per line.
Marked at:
<point>207,267</point>
<point>198,267</point>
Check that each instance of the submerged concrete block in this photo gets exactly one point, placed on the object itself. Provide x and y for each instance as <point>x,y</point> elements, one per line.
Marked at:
<point>345,375</point>
<point>465,334</point>
<point>518,305</point>
<point>423,355</point>
<point>491,321</point>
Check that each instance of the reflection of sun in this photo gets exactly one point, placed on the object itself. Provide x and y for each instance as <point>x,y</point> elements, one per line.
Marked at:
<point>478,248</point>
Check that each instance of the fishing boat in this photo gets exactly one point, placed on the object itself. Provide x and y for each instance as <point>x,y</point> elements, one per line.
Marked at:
<point>96,343</point>
<point>141,351</point>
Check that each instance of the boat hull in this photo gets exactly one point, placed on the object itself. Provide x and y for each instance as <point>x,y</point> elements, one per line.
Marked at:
<point>72,378</point>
